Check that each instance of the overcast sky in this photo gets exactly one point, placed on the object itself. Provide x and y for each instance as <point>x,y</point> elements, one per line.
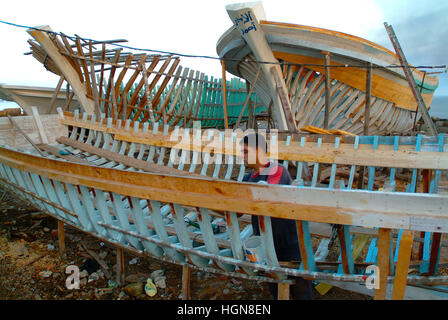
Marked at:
<point>193,27</point>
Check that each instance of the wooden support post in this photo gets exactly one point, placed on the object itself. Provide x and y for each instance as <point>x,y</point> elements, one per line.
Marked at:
<point>327,88</point>
<point>346,253</point>
<point>283,291</point>
<point>421,105</point>
<point>404,258</point>
<point>40,127</point>
<point>120,266</point>
<point>384,238</point>
<point>426,179</point>
<point>61,239</point>
<point>249,93</point>
<point>186,276</point>
<point>362,170</point>
<point>251,113</point>
<point>224,94</point>
<point>435,252</point>
<point>368,98</point>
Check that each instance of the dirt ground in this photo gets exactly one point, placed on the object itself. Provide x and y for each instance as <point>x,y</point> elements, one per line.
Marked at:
<point>31,269</point>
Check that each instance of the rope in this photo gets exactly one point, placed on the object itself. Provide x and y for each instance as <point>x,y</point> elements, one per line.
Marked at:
<point>73,38</point>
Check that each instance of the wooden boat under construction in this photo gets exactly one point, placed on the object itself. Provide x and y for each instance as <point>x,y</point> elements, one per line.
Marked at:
<point>104,79</point>
<point>293,58</point>
<point>136,168</point>
<point>174,193</point>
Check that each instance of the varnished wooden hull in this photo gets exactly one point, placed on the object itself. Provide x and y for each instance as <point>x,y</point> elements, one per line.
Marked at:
<point>393,106</point>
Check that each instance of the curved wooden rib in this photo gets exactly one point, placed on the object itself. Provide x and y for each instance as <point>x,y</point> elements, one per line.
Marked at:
<point>139,87</point>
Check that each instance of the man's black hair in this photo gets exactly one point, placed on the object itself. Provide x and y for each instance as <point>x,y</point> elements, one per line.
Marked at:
<point>256,140</point>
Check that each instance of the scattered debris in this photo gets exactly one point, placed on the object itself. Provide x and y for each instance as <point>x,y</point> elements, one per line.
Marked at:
<point>134,289</point>
<point>150,288</point>
<point>45,274</point>
<point>159,278</point>
<point>90,266</point>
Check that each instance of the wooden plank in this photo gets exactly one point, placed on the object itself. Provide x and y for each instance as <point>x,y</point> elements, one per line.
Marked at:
<point>40,128</point>
<point>401,272</point>
<point>384,240</point>
<point>55,95</point>
<point>147,94</point>
<point>283,291</point>
<point>126,160</point>
<point>224,94</point>
<point>411,80</point>
<point>64,65</point>
<point>306,250</point>
<point>110,91</point>
<point>61,154</point>
<point>248,101</point>
<point>346,251</point>
<point>368,99</point>
<point>86,73</point>
<point>95,93</point>
<point>25,135</point>
<point>327,89</point>
<point>435,253</point>
<point>153,84</point>
<point>362,208</point>
<point>344,155</point>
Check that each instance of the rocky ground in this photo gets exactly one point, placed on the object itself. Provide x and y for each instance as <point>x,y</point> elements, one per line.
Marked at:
<point>31,269</point>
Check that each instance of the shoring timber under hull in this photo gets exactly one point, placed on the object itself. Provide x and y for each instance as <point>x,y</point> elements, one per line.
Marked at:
<point>302,50</point>
<point>119,196</point>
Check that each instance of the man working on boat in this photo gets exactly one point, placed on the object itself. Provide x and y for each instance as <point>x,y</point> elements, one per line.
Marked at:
<point>284,231</point>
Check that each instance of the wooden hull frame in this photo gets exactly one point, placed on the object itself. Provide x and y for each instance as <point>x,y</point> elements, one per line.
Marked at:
<point>116,200</point>
<point>302,49</point>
